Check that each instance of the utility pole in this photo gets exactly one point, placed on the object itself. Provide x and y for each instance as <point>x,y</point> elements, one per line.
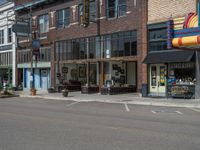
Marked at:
<point>31,50</point>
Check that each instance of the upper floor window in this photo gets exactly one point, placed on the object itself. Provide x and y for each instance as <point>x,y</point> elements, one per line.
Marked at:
<point>1,36</point>
<point>116,8</point>
<point>63,18</point>
<point>157,39</point>
<point>120,44</point>
<point>80,13</point>
<point>9,35</point>
<point>92,11</point>
<point>44,23</point>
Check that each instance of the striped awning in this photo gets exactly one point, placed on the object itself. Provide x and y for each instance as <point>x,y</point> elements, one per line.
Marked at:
<point>186,41</point>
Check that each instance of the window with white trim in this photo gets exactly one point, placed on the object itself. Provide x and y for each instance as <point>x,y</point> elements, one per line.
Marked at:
<point>9,35</point>
<point>63,18</point>
<point>44,23</point>
<point>1,36</point>
<point>92,11</point>
<point>116,8</point>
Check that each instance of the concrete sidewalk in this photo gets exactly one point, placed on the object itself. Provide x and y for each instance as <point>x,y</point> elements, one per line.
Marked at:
<point>131,98</point>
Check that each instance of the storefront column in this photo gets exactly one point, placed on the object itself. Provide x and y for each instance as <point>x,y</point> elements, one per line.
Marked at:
<point>9,76</point>
<point>88,73</point>
<point>53,67</point>
<point>101,79</point>
<point>197,87</point>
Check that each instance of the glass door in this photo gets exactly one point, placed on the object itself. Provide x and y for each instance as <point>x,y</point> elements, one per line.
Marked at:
<point>158,80</point>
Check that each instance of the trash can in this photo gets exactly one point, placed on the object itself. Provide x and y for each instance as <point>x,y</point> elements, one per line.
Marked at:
<point>144,90</point>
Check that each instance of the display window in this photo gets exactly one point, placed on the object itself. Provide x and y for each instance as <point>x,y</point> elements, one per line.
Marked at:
<point>182,73</point>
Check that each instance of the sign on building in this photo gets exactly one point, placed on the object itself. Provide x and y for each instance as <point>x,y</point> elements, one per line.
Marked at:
<point>21,28</point>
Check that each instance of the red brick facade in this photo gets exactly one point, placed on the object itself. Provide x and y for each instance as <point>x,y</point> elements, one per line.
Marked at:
<point>135,19</point>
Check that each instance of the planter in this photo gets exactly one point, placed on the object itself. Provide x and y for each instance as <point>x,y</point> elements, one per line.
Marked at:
<point>51,90</point>
<point>65,92</point>
<point>33,92</point>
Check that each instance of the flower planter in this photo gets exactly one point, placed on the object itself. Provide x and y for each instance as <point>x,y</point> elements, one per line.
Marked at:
<point>65,92</point>
<point>33,92</point>
<point>51,90</point>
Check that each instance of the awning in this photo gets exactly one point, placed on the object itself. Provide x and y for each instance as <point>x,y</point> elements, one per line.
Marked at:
<point>186,41</point>
<point>28,5</point>
<point>168,56</point>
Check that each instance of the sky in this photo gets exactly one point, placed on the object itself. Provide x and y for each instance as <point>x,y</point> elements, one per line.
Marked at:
<point>2,1</point>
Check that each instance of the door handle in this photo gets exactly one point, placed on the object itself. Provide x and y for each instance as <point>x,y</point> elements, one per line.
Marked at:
<point>158,83</point>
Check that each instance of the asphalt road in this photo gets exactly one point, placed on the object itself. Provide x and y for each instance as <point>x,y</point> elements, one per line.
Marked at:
<point>36,124</point>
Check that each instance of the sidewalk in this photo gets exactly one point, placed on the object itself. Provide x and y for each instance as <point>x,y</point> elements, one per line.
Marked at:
<point>131,98</point>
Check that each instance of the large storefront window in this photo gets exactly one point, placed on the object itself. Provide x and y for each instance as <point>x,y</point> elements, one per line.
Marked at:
<point>84,48</point>
<point>120,77</point>
<point>6,59</point>
<point>182,73</point>
<point>181,80</point>
<point>120,44</point>
<point>114,45</point>
<point>24,56</point>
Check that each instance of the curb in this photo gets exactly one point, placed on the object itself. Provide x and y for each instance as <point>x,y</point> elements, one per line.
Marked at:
<point>9,96</point>
<point>134,102</point>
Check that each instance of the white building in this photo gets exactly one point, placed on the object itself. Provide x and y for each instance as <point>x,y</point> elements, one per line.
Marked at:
<point>7,45</point>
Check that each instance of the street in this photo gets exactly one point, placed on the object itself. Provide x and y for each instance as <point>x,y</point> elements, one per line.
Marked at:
<point>38,124</point>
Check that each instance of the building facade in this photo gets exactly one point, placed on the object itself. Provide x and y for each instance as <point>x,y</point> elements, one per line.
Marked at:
<point>171,69</point>
<point>108,52</point>
<point>7,45</point>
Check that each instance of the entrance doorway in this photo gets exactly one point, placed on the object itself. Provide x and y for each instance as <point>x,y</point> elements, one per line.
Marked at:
<point>158,80</point>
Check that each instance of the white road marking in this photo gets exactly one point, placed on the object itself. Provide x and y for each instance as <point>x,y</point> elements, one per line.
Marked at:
<point>179,112</point>
<point>73,103</point>
<point>165,111</point>
<point>194,109</point>
<point>126,106</point>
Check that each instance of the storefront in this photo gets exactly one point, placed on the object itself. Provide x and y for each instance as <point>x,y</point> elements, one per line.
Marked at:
<point>188,38</point>
<point>6,68</point>
<point>120,77</point>
<point>74,75</point>
<point>171,71</point>
<point>181,80</point>
<point>5,76</point>
<point>105,62</point>
<point>41,69</point>
<point>41,77</point>
<point>158,79</point>
<point>168,79</point>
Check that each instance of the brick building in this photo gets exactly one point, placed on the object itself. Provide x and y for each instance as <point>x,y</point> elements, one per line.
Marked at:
<point>171,69</point>
<point>109,52</point>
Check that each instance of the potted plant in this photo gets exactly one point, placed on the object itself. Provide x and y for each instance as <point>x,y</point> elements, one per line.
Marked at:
<point>33,92</point>
<point>51,90</point>
<point>65,92</point>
